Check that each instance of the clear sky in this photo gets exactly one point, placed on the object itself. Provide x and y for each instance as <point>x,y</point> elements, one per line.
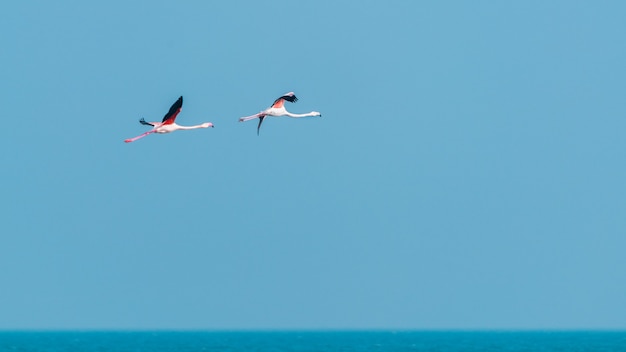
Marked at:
<point>467,171</point>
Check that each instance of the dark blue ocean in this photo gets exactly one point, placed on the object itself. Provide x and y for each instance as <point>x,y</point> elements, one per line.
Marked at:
<point>312,341</point>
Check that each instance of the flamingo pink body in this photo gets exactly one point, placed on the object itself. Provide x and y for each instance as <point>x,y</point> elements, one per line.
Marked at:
<point>168,125</point>
<point>278,109</point>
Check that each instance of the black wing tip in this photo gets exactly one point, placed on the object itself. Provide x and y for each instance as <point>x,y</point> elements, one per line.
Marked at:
<point>178,103</point>
<point>143,122</point>
<point>290,97</point>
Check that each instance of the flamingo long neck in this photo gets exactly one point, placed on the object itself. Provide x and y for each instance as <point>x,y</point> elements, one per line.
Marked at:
<point>299,115</point>
<point>190,127</point>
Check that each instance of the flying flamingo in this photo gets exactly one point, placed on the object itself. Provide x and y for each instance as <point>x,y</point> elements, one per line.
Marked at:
<point>168,125</point>
<point>277,109</point>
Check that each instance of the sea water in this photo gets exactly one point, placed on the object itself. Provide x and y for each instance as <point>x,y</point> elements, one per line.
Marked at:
<point>331,341</point>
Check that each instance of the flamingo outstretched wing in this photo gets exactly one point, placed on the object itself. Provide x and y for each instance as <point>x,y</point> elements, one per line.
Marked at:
<point>170,117</point>
<point>290,97</point>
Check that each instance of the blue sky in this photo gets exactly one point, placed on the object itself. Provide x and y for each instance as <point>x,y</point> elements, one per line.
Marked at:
<point>467,171</point>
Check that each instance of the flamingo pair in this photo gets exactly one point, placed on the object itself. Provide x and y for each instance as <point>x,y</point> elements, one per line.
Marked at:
<point>168,123</point>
